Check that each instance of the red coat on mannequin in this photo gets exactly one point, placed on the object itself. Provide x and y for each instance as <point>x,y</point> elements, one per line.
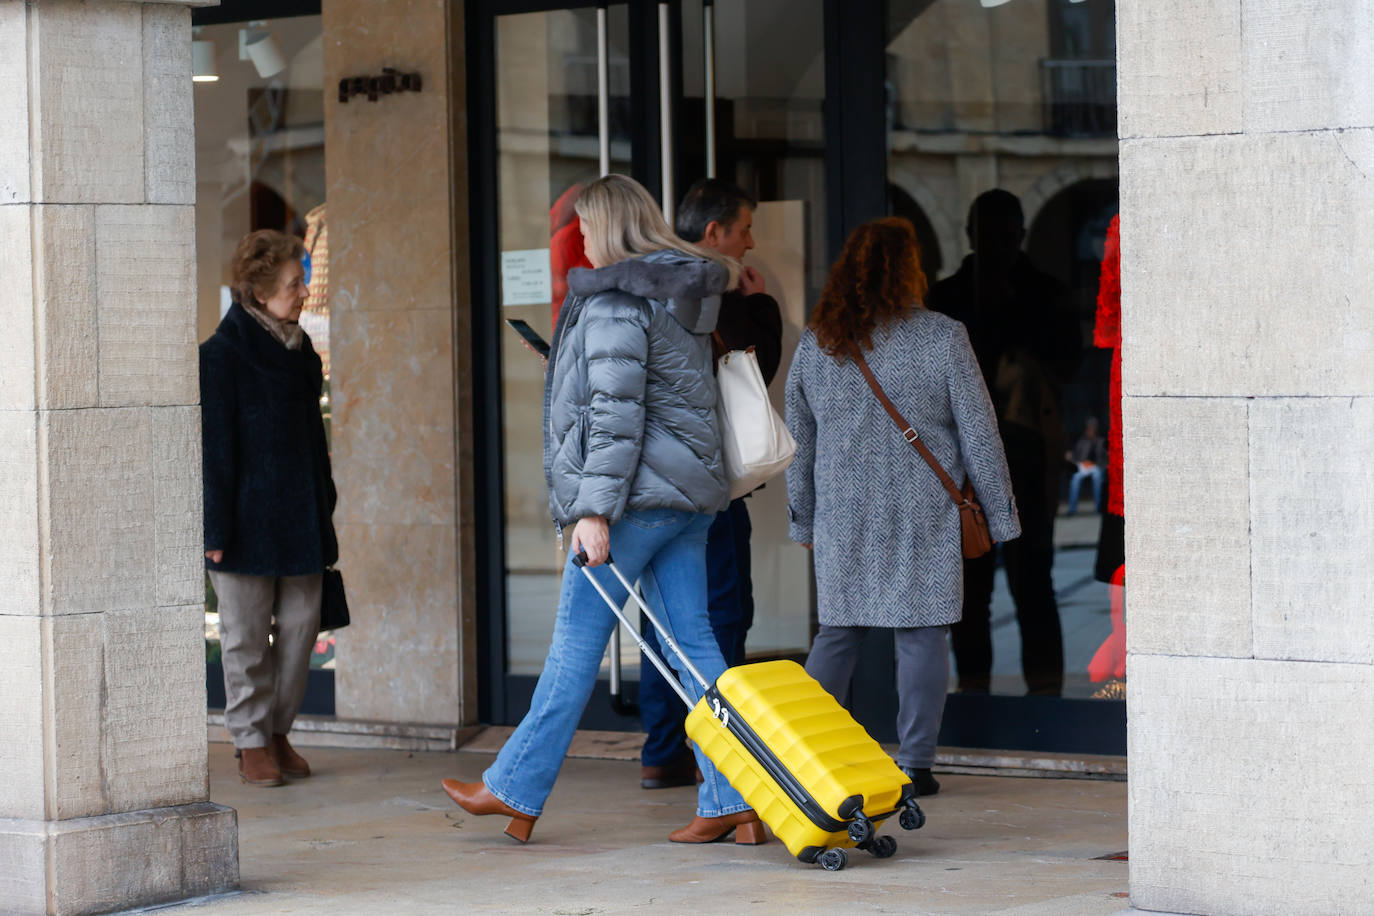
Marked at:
<point>1110,659</point>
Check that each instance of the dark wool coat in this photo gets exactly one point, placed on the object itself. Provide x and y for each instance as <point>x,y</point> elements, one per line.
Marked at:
<point>268,489</point>
<point>753,321</point>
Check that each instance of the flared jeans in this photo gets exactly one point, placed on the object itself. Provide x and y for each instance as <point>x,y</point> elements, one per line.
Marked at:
<point>665,550</point>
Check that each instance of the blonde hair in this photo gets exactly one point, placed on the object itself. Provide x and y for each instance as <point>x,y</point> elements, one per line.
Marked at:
<point>620,220</point>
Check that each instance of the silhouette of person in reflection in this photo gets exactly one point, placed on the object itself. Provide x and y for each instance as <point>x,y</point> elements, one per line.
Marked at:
<point>1026,338</point>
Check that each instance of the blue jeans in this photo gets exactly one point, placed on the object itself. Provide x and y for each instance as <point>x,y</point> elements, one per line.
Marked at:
<point>666,551</point>
<point>1095,475</point>
<point>727,585</point>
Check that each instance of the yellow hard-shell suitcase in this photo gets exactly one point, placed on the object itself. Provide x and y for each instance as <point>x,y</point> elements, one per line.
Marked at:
<point>811,772</point>
<point>800,760</point>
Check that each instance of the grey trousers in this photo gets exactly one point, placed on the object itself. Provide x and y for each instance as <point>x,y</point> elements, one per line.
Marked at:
<point>264,680</point>
<point>922,682</point>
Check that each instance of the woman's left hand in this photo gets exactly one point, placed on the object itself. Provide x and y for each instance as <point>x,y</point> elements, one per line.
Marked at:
<point>593,536</point>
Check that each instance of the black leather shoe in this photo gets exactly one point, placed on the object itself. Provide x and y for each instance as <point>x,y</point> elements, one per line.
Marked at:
<point>669,777</point>
<point>925,783</point>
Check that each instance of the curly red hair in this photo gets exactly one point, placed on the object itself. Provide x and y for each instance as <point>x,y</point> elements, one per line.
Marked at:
<point>876,280</point>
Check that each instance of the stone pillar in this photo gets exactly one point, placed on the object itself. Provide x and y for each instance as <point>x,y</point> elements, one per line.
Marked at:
<point>1247,218</point>
<point>401,383</point>
<point>103,787</point>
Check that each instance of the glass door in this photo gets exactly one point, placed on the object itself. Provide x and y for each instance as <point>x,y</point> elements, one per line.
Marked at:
<point>752,111</point>
<point>555,115</point>
<point>1001,124</point>
<point>783,98</point>
<point>548,147</point>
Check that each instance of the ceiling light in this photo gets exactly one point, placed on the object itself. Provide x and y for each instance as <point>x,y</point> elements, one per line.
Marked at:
<point>265,54</point>
<point>989,4</point>
<point>203,62</point>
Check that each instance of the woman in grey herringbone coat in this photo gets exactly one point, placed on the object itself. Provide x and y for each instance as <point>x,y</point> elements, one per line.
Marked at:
<point>885,532</point>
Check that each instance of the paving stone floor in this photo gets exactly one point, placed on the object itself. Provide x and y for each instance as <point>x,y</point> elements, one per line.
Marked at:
<point>372,833</point>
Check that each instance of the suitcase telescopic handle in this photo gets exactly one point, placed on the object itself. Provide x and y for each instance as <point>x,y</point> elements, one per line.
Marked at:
<point>617,700</point>
<point>580,561</point>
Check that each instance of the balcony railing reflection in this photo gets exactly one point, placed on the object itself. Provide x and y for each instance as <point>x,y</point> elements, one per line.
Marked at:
<point>1080,97</point>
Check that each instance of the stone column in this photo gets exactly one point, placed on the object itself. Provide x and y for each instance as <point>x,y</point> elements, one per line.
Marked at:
<point>1247,218</point>
<point>103,787</point>
<point>401,383</point>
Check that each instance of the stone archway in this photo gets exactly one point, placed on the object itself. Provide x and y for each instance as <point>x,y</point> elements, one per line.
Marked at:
<point>900,203</point>
<point>1079,212</point>
<point>948,229</point>
<point>1066,175</point>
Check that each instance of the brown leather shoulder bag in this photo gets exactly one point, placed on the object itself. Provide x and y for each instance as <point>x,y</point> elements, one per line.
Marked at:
<point>976,538</point>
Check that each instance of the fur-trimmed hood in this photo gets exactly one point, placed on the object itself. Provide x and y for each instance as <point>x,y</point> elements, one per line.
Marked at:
<point>689,287</point>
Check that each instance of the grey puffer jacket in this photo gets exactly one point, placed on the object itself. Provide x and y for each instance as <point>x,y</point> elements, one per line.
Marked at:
<point>630,396</point>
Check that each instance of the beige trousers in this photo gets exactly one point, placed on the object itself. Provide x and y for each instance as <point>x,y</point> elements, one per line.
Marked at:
<point>264,680</point>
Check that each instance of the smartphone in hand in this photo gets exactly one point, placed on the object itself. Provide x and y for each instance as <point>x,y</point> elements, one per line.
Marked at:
<point>532,339</point>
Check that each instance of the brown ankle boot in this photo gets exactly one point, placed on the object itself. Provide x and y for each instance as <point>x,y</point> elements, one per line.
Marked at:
<point>256,767</point>
<point>749,830</point>
<point>287,760</point>
<point>476,798</point>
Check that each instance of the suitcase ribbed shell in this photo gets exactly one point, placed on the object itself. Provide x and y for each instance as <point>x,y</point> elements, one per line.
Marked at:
<point>811,735</point>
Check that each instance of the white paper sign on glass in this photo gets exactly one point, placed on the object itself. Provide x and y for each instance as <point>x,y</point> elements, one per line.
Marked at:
<point>525,277</point>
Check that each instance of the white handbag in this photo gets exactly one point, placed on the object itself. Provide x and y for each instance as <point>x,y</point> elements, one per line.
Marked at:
<point>755,441</point>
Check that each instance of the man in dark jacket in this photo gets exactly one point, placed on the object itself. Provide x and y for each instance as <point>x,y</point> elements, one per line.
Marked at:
<point>718,215</point>
<point>1028,345</point>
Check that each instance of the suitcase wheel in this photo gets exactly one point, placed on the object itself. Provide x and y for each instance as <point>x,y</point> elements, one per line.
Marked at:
<point>860,830</point>
<point>883,847</point>
<point>833,859</point>
<point>912,818</point>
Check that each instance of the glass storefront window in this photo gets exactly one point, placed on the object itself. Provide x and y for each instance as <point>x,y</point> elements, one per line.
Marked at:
<point>770,140</point>
<point>770,87</point>
<point>260,165</point>
<point>547,148</point>
<point>1021,97</point>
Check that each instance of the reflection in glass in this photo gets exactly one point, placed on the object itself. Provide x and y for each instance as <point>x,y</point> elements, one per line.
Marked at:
<point>769,139</point>
<point>260,165</point>
<point>548,147</point>
<point>1020,96</point>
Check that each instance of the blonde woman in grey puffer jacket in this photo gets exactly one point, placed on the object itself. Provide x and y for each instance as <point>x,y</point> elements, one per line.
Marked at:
<point>633,461</point>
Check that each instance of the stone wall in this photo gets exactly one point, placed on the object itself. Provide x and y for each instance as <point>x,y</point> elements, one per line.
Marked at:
<point>102,690</point>
<point>398,253</point>
<point>1247,221</point>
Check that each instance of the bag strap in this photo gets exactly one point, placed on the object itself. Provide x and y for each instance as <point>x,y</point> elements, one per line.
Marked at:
<point>908,433</point>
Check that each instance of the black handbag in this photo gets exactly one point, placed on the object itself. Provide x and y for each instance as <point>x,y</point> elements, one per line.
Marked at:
<point>333,602</point>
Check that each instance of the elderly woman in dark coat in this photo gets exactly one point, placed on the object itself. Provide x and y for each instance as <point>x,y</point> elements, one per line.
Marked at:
<point>269,498</point>
<point>885,531</point>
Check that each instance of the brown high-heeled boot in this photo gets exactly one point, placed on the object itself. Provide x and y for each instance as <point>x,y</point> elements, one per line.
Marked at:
<point>475,798</point>
<point>749,830</point>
